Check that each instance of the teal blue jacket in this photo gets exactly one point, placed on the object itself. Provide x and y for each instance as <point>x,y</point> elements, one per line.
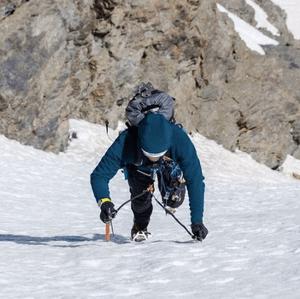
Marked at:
<point>126,150</point>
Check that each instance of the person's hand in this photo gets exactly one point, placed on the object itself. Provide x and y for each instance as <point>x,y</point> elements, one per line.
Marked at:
<point>200,231</point>
<point>108,211</point>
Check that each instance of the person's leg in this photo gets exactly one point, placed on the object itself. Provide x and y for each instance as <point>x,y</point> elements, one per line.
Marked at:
<point>141,206</point>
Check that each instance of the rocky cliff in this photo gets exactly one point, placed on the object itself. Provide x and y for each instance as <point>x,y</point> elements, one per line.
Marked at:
<point>64,59</point>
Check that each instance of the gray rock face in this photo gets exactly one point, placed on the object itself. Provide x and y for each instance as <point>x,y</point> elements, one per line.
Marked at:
<point>81,59</point>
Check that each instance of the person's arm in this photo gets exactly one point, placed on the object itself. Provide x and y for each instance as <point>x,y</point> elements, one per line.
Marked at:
<point>192,172</point>
<point>110,163</point>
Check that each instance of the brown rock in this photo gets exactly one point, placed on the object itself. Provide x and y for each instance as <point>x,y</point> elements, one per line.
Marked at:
<point>66,59</point>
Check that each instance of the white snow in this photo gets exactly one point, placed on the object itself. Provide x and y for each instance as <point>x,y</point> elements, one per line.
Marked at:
<point>291,166</point>
<point>261,18</point>
<point>250,35</point>
<point>292,9</point>
<point>52,243</point>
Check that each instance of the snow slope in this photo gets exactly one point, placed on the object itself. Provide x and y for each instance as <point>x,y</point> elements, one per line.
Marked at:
<point>52,243</point>
<point>253,38</point>
<point>292,9</point>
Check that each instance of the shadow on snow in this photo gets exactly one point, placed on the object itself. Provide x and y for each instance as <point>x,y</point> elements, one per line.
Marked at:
<point>73,241</point>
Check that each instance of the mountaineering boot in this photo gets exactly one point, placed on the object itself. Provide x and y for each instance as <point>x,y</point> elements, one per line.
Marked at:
<point>139,235</point>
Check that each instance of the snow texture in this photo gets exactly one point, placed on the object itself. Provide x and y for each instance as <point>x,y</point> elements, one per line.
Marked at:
<point>261,18</point>
<point>52,241</point>
<point>291,166</point>
<point>251,36</point>
<point>292,9</point>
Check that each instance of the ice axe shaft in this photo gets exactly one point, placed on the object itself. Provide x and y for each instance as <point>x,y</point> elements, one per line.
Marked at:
<point>107,231</point>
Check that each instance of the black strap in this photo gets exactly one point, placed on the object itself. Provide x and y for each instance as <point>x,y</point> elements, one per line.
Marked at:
<point>129,200</point>
<point>150,107</point>
<point>175,218</point>
<point>106,126</point>
<point>166,210</point>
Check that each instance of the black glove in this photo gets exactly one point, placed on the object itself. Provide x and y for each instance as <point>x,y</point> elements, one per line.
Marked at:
<point>200,231</point>
<point>107,211</point>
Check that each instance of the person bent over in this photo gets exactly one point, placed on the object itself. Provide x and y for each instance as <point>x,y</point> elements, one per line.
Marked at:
<point>155,148</point>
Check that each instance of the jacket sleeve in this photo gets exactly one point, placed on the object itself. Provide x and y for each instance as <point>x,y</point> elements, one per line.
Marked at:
<point>110,163</point>
<point>189,163</point>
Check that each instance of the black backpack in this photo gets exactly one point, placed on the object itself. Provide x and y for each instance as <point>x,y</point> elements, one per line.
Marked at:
<point>146,98</point>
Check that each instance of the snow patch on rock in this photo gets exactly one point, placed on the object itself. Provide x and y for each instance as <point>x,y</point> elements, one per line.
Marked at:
<point>253,38</point>
<point>261,18</point>
<point>292,9</point>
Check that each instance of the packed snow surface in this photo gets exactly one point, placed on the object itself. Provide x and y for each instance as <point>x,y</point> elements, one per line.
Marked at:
<point>291,166</point>
<point>253,38</point>
<point>261,18</point>
<point>52,241</point>
<point>292,9</point>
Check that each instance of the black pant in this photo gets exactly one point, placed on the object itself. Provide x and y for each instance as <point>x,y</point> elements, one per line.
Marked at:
<point>141,206</point>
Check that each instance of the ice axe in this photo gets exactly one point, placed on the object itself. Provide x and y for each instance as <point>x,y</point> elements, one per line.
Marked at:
<point>108,225</point>
<point>107,232</point>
